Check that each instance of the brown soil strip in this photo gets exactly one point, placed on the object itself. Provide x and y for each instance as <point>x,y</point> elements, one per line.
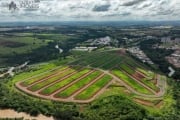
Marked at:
<point>144,102</point>
<point>138,76</point>
<point>158,105</point>
<point>66,86</point>
<point>121,52</point>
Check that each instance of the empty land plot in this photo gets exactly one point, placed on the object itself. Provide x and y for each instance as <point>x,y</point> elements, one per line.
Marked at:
<point>49,81</point>
<point>91,59</point>
<point>149,74</point>
<point>139,77</point>
<point>103,60</point>
<point>78,85</point>
<point>87,59</point>
<point>60,84</point>
<point>127,69</point>
<point>94,88</point>
<point>112,63</point>
<point>41,77</point>
<point>131,82</point>
<point>134,64</point>
<point>150,84</point>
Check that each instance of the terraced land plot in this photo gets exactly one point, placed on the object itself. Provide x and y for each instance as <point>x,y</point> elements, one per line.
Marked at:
<point>78,85</point>
<point>104,60</point>
<point>145,80</point>
<point>51,89</point>
<point>94,88</point>
<point>127,69</point>
<point>150,84</point>
<point>131,82</point>
<point>112,63</point>
<point>49,81</point>
<point>42,77</point>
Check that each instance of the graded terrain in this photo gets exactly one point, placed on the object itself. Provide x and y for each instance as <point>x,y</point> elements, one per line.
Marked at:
<point>89,76</point>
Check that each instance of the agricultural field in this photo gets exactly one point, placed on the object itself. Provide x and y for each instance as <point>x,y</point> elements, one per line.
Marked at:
<point>90,75</point>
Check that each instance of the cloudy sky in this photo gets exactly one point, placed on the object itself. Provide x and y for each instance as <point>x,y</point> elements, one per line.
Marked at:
<point>90,10</point>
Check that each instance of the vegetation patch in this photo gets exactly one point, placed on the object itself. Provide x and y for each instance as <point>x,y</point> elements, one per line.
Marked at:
<point>131,82</point>
<point>58,85</point>
<point>42,77</point>
<point>94,88</point>
<point>49,81</point>
<point>78,85</point>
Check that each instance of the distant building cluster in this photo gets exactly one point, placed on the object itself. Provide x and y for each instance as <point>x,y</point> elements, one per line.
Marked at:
<point>84,48</point>
<point>136,51</point>
<point>170,40</point>
<point>100,41</point>
<point>174,58</point>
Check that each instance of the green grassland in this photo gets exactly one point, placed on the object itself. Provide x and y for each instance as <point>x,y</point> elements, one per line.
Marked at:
<point>48,81</point>
<point>130,82</point>
<point>34,79</point>
<point>91,90</point>
<point>104,60</point>
<point>127,69</point>
<point>150,84</point>
<point>81,83</point>
<point>147,81</point>
<point>29,44</point>
<point>54,87</point>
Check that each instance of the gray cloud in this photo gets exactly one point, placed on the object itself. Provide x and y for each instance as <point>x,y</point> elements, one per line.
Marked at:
<point>132,2</point>
<point>95,10</point>
<point>101,8</point>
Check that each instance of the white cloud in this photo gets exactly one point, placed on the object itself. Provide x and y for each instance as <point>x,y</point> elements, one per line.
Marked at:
<point>94,10</point>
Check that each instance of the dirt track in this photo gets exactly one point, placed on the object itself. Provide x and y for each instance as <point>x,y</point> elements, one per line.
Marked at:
<point>9,113</point>
<point>160,83</point>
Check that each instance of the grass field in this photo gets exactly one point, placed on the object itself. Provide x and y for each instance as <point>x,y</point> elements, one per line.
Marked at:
<point>130,82</point>
<point>93,89</point>
<point>127,69</point>
<point>150,84</point>
<point>54,87</point>
<point>41,77</point>
<point>103,60</point>
<point>49,81</point>
<point>81,83</point>
<point>28,44</point>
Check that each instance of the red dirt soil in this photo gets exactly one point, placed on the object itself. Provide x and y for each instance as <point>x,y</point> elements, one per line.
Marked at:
<point>138,76</point>
<point>158,105</point>
<point>121,52</point>
<point>144,102</point>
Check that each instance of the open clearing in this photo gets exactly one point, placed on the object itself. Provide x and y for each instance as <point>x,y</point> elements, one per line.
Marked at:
<point>84,79</point>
